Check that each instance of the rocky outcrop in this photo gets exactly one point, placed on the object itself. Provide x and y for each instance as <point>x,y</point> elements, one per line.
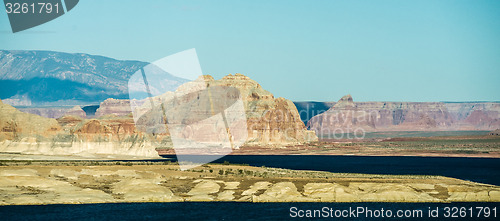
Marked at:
<point>71,135</point>
<point>76,111</point>
<point>475,116</point>
<point>48,112</point>
<point>54,112</point>
<point>347,116</point>
<point>270,120</point>
<point>113,106</point>
<point>163,183</point>
<point>15,124</point>
<point>495,132</point>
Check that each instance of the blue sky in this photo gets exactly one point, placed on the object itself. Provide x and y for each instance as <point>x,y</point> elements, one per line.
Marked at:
<point>301,50</point>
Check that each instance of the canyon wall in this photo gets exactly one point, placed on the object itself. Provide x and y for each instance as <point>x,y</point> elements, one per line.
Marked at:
<point>71,135</point>
<point>270,120</point>
<point>14,123</point>
<point>113,107</point>
<point>54,112</point>
<point>347,116</point>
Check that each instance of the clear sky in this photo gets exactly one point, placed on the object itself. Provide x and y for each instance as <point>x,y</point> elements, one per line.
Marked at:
<point>302,50</point>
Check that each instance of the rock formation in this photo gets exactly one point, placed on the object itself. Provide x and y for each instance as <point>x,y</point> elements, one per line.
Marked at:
<point>495,132</point>
<point>474,115</point>
<point>48,112</point>
<point>347,116</point>
<point>163,183</point>
<point>270,120</point>
<point>58,112</point>
<point>70,135</point>
<point>113,106</point>
<point>76,111</point>
<point>15,124</point>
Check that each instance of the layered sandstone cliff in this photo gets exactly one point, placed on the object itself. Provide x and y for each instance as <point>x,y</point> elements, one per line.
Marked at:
<point>347,116</point>
<point>270,120</point>
<point>71,135</point>
<point>54,112</point>
<point>113,106</point>
<point>14,123</point>
<point>76,111</point>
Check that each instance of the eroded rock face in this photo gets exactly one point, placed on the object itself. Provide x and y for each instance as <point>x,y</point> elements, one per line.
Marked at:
<point>55,112</point>
<point>270,120</point>
<point>347,116</point>
<point>495,133</point>
<point>155,183</point>
<point>47,112</point>
<point>281,192</point>
<point>71,135</point>
<point>113,106</point>
<point>14,123</point>
<point>76,111</point>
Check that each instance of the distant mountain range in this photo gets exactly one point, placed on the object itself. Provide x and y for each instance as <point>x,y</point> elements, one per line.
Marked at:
<point>33,78</point>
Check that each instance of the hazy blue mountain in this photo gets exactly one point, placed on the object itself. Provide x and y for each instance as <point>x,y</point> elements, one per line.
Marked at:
<point>48,77</point>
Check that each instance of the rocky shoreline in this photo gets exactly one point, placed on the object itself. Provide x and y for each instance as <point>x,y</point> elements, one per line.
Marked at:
<point>77,182</point>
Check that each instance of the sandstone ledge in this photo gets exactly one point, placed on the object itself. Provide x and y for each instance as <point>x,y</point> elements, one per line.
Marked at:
<point>78,182</point>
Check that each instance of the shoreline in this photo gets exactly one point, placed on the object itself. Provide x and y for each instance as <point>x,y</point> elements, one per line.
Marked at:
<point>72,183</point>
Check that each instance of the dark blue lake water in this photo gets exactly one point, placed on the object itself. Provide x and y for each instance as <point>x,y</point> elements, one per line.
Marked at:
<point>483,170</point>
<point>243,211</point>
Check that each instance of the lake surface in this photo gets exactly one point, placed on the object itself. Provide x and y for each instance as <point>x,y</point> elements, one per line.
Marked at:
<point>228,211</point>
<point>483,170</point>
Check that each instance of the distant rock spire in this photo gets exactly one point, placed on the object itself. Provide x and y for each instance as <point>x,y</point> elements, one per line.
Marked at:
<point>344,102</point>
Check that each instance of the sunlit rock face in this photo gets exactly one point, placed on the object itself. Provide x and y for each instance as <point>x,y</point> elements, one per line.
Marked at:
<point>76,111</point>
<point>252,116</point>
<point>269,120</point>
<point>113,106</point>
<point>54,112</point>
<point>347,116</point>
<point>15,123</point>
<point>71,135</point>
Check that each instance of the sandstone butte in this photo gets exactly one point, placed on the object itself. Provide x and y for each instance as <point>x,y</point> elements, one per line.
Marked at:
<point>272,121</point>
<point>347,116</point>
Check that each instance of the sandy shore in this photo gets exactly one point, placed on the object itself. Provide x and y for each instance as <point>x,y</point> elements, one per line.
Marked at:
<point>74,182</point>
